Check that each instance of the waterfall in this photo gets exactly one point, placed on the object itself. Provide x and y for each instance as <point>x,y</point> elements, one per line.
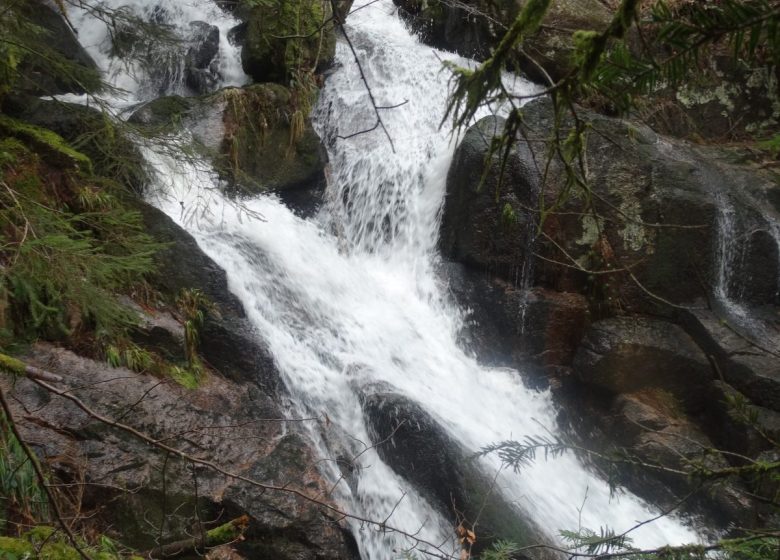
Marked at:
<point>731,284</point>
<point>351,298</point>
<point>153,69</point>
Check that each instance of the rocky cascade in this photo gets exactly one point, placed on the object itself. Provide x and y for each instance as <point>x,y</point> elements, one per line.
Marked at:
<point>145,497</point>
<point>342,357</point>
<point>652,298</point>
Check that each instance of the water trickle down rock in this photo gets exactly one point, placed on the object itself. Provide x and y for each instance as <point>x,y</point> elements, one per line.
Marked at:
<point>201,71</point>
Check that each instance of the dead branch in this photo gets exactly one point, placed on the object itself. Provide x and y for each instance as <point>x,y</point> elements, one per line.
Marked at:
<point>38,378</point>
<point>40,476</point>
<point>379,123</point>
<point>231,531</point>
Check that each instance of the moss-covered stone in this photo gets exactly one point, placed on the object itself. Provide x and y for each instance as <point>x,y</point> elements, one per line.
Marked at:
<point>259,137</point>
<point>261,149</point>
<point>14,548</point>
<point>163,111</point>
<point>89,132</point>
<point>45,140</point>
<point>283,36</point>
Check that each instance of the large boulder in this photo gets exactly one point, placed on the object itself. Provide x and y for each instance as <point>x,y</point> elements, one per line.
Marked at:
<point>142,493</point>
<point>281,37</point>
<point>258,138</point>
<point>57,47</point>
<point>748,361</point>
<point>655,213</point>
<point>421,451</point>
<point>629,354</point>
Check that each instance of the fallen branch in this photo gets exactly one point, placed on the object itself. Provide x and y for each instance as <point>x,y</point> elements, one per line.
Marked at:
<point>224,534</point>
<point>20,369</point>
<point>42,378</point>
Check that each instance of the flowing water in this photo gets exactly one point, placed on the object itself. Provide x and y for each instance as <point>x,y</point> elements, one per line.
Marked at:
<point>151,69</point>
<point>351,298</point>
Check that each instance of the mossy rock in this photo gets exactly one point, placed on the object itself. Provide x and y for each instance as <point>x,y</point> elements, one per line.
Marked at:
<point>90,132</point>
<point>260,150</point>
<point>284,35</point>
<point>163,111</point>
<point>259,137</point>
<point>61,64</point>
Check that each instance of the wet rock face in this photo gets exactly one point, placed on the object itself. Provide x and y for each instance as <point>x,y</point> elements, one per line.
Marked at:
<point>747,362</point>
<point>629,354</point>
<point>227,340</point>
<point>221,421</point>
<point>202,59</point>
<point>754,270</point>
<point>486,221</point>
<point>413,443</point>
<point>652,425</point>
<point>59,38</point>
<point>549,324</point>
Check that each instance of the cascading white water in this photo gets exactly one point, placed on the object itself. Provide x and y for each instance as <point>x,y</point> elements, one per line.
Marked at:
<point>131,78</point>
<point>729,289</point>
<point>351,298</point>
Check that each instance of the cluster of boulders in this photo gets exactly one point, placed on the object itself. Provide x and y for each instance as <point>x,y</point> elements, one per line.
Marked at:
<point>619,292</point>
<point>137,494</point>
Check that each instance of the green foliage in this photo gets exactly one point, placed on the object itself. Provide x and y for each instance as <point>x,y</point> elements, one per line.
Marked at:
<point>68,244</point>
<point>185,377</point>
<point>602,542</point>
<point>193,305</point>
<point>45,140</point>
<point>10,52</point>
<point>771,145</point>
<point>130,356</point>
<point>47,543</point>
<point>501,550</point>
<point>762,548</point>
<point>21,496</point>
<point>25,55</point>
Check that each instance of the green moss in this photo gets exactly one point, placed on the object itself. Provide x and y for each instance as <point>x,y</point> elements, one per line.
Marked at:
<point>11,365</point>
<point>44,139</point>
<point>186,377</point>
<point>15,548</point>
<point>228,532</point>
<point>282,36</point>
<point>45,543</point>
